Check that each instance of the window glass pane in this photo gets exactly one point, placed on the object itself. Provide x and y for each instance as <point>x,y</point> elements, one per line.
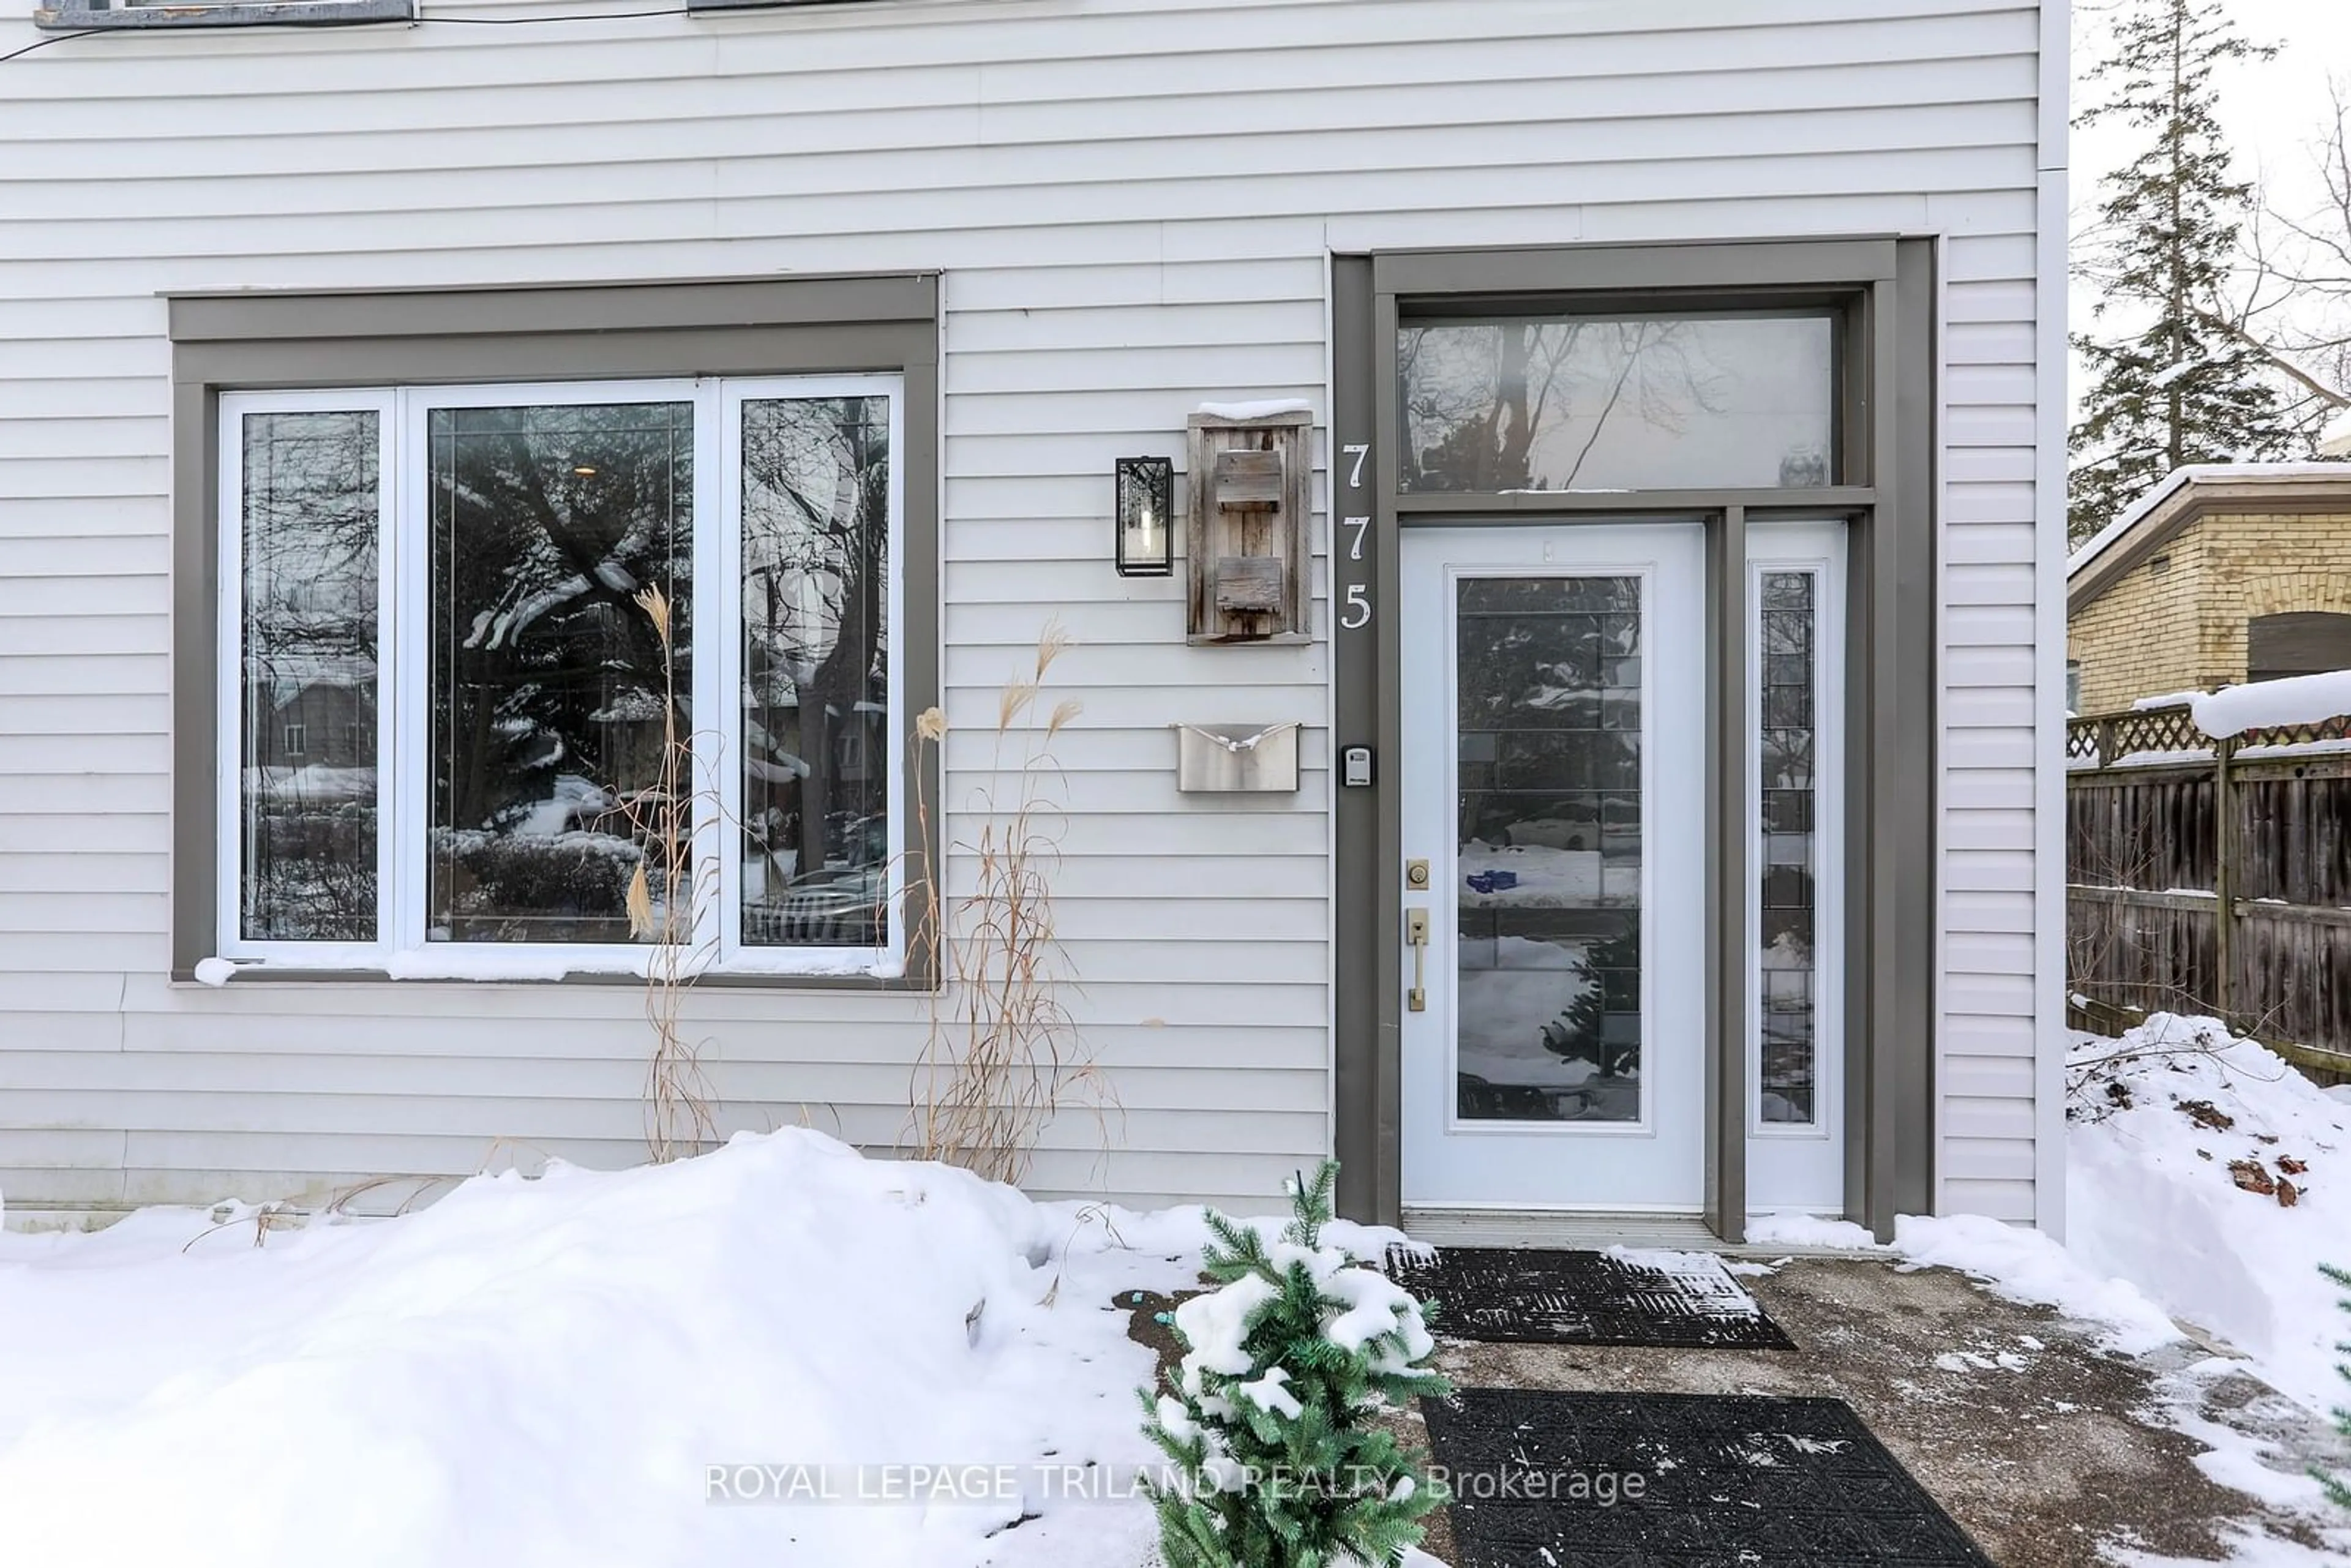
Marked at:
<point>554,695</point>
<point>818,742</point>
<point>1790,848</point>
<point>308,753</point>
<point>1665,403</point>
<point>1550,858</point>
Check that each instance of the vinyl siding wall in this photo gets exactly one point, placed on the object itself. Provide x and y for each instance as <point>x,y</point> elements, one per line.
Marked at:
<point>1132,203</point>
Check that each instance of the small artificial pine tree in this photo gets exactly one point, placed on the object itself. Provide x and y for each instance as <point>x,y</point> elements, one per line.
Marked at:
<point>2180,388</point>
<point>2339,1487</point>
<point>1268,1423</point>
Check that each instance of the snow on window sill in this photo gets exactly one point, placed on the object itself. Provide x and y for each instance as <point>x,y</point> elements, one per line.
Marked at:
<point>75,17</point>
<point>857,971</point>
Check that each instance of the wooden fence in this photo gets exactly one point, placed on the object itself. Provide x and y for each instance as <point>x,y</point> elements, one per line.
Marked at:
<point>2214,876</point>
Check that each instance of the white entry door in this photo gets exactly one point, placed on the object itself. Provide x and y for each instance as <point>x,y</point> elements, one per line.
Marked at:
<point>1554,780</point>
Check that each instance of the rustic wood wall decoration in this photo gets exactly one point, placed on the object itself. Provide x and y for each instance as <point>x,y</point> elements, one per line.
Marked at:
<point>1249,529</point>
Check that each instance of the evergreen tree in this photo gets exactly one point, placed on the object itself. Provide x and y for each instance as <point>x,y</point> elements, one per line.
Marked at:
<point>1269,1424</point>
<point>2177,388</point>
<point>2338,1487</point>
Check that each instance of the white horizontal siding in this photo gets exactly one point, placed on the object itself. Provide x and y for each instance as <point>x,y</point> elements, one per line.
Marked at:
<point>1132,202</point>
<point>1986,1077</point>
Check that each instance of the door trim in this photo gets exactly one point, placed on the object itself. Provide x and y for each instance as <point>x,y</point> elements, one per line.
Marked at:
<point>1888,287</point>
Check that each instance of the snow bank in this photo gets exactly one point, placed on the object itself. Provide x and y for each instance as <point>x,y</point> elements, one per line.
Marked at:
<point>1808,1230</point>
<point>2023,1265</point>
<point>2334,440</point>
<point>2151,1193</point>
<point>544,1371</point>
<point>2027,1266</point>
<point>2299,699</point>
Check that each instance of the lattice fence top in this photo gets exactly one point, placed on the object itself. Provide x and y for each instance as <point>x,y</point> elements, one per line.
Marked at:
<point>2146,736</point>
<point>2154,734</point>
<point>2310,734</point>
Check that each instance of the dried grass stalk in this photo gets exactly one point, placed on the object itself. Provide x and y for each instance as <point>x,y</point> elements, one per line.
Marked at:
<point>678,1096</point>
<point>1003,1056</point>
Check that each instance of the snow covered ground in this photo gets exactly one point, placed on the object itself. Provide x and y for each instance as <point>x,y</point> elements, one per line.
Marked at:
<point>2180,1152</point>
<point>2207,1181</point>
<point>547,1372</point>
<point>2211,1174</point>
<point>597,1367</point>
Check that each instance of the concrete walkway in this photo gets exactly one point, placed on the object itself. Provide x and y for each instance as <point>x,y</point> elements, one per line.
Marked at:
<point>2043,1446</point>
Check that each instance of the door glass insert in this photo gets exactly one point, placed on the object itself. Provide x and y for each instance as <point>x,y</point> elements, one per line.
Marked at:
<point>1552,402</point>
<point>1789,888</point>
<point>1549,709</point>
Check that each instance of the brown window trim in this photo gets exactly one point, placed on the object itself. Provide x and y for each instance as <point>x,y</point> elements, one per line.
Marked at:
<point>738,327</point>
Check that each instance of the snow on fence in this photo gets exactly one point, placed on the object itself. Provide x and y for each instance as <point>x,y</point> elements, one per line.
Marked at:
<point>2214,875</point>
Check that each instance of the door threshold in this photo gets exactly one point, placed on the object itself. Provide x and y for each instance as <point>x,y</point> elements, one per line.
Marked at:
<point>1567,1229</point>
<point>1580,1231</point>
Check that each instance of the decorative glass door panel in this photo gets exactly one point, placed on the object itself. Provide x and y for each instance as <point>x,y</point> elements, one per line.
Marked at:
<point>1549,848</point>
<point>1553,721</point>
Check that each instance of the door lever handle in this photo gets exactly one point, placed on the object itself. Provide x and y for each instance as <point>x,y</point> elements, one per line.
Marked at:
<point>1416,932</point>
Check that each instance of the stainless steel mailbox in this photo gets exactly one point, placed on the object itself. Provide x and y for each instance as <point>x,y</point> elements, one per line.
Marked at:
<point>1229,758</point>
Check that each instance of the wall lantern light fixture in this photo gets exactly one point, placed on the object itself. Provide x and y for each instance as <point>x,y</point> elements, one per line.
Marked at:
<point>1147,512</point>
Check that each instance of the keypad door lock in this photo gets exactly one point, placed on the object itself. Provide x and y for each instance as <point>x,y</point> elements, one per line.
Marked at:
<point>1415,876</point>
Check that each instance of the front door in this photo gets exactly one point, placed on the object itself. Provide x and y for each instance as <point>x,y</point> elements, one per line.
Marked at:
<point>1552,779</point>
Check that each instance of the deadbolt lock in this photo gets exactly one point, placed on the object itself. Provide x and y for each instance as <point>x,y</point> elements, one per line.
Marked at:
<point>1415,876</point>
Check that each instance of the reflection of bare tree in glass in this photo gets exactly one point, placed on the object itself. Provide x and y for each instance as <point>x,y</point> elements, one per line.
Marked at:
<point>816,512</point>
<point>1788,893</point>
<point>309,546</point>
<point>545,675</point>
<point>1549,718</point>
<point>1544,667</point>
<point>1479,397</point>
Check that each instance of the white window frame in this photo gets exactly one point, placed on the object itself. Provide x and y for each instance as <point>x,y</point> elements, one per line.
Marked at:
<point>402,749</point>
<point>1800,1166</point>
<point>229,690</point>
<point>733,953</point>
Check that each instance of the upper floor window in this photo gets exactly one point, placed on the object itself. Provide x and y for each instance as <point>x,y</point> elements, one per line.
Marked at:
<point>1701,400</point>
<point>618,662</point>
<point>80,16</point>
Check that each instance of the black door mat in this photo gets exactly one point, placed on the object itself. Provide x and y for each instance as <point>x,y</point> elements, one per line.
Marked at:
<point>1685,1300</point>
<point>1745,1479</point>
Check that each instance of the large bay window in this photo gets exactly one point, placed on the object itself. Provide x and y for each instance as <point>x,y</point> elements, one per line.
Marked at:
<point>523,679</point>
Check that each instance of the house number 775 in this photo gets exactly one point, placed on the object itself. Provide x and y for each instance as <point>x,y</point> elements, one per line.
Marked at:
<point>1356,613</point>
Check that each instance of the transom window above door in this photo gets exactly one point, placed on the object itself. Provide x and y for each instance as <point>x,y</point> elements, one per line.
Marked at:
<point>1535,402</point>
<point>605,667</point>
